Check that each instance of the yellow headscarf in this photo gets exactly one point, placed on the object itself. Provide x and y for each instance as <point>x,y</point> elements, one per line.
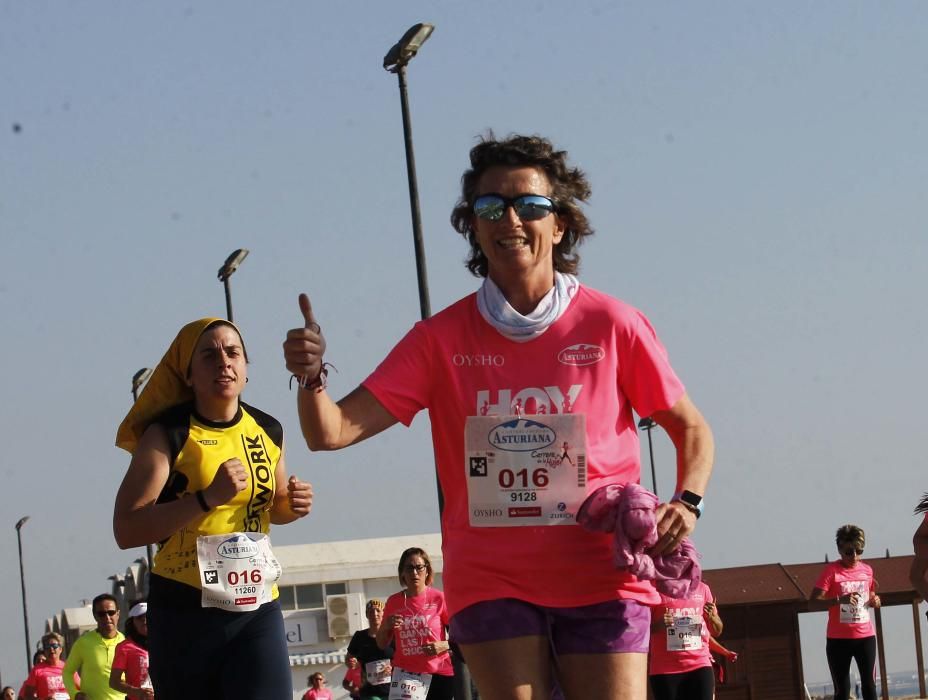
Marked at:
<point>168,384</point>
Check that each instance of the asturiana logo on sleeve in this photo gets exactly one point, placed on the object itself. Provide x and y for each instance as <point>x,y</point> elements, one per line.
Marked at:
<point>581,354</point>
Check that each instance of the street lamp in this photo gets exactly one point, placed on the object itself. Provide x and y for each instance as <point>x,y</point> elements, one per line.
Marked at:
<point>225,272</point>
<point>22,582</point>
<point>139,379</point>
<point>647,424</point>
<point>400,54</point>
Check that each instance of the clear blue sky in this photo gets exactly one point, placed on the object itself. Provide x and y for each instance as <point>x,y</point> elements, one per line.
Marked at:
<point>757,171</point>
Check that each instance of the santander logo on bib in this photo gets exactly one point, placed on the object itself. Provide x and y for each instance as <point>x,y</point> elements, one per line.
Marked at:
<point>581,354</point>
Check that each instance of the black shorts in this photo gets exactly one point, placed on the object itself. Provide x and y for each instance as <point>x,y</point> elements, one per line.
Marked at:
<point>212,654</point>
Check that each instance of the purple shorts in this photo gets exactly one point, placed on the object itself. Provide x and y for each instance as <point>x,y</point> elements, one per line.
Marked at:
<point>614,626</point>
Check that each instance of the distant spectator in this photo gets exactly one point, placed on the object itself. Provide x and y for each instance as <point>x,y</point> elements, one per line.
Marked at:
<point>129,674</point>
<point>37,658</point>
<point>8,693</point>
<point>376,668</point>
<point>917,574</point>
<point>317,689</point>
<point>846,588</point>
<point>352,680</point>
<point>91,656</point>
<point>45,680</point>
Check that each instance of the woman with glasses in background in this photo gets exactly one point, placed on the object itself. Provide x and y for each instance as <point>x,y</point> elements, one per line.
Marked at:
<point>531,385</point>
<point>415,622</point>
<point>45,680</point>
<point>846,588</point>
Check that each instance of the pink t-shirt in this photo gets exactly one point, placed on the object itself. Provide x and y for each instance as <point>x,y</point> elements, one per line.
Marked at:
<point>601,358</point>
<point>46,680</point>
<point>320,694</point>
<point>424,620</point>
<point>837,580</point>
<point>132,660</point>
<point>675,649</point>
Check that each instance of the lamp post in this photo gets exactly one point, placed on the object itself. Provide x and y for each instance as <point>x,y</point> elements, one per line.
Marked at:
<point>400,54</point>
<point>647,424</point>
<point>22,581</point>
<point>225,272</point>
<point>138,380</point>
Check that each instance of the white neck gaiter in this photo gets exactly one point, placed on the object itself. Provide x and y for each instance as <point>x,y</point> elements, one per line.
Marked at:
<point>499,313</point>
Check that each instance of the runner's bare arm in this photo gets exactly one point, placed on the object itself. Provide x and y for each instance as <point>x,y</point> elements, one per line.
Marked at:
<point>328,425</point>
<point>695,447</point>
<point>137,518</point>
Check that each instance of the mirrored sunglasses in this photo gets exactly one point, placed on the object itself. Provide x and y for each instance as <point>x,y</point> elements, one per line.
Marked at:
<point>528,207</point>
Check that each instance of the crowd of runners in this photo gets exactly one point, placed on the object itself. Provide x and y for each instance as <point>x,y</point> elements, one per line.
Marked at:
<point>531,384</point>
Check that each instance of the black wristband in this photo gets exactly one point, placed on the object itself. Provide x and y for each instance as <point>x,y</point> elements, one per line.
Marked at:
<point>201,499</point>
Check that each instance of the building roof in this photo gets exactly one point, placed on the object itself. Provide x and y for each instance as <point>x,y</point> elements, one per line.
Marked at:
<point>352,559</point>
<point>781,583</point>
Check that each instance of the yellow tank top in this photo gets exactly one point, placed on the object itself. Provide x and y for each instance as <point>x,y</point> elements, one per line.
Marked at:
<point>198,446</point>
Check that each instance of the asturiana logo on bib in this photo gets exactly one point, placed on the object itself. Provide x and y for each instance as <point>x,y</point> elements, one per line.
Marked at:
<point>238,547</point>
<point>521,435</point>
<point>581,354</point>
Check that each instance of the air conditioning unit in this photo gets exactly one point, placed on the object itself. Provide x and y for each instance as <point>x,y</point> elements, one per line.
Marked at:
<point>345,614</point>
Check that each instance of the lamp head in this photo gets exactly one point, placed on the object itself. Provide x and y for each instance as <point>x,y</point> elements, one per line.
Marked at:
<point>408,46</point>
<point>22,521</point>
<point>231,264</point>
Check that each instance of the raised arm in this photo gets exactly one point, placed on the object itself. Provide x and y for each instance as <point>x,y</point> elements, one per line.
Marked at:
<point>328,425</point>
<point>695,448</point>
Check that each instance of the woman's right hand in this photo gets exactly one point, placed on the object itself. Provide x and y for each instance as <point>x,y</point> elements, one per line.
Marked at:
<point>230,479</point>
<point>304,347</point>
<point>394,621</point>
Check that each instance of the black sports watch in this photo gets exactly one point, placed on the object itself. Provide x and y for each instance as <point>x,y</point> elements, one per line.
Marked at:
<point>692,501</point>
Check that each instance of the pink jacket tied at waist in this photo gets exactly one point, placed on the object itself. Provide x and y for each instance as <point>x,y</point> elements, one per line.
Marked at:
<point>628,513</point>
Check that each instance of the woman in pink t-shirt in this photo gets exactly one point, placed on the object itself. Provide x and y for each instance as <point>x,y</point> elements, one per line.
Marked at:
<point>129,673</point>
<point>415,622</point>
<point>680,657</point>
<point>532,385</point>
<point>846,588</point>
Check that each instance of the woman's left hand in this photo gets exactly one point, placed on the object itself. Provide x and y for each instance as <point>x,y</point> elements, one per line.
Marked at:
<point>299,496</point>
<point>436,648</point>
<point>674,522</point>
<point>874,601</point>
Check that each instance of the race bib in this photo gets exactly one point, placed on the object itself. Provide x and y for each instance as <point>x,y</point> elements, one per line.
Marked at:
<point>525,470</point>
<point>377,672</point>
<point>851,614</point>
<point>409,686</point>
<point>237,570</point>
<point>61,695</point>
<point>684,635</point>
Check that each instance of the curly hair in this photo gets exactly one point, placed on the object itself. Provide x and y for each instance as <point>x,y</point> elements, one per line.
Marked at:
<point>569,187</point>
<point>850,534</point>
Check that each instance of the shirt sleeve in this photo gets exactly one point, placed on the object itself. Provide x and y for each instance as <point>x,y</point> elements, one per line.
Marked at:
<point>120,657</point>
<point>825,579</point>
<point>645,374</point>
<point>71,667</point>
<point>403,381</point>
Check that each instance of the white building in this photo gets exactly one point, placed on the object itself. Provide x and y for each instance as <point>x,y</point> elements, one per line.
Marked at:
<point>323,591</point>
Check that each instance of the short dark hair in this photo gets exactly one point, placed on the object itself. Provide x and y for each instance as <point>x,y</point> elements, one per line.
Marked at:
<point>569,187</point>
<point>100,598</point>
<point>850,534</point>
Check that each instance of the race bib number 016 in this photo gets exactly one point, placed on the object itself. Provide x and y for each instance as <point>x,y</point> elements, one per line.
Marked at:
<point>525,470</point>
<point>238,570</point>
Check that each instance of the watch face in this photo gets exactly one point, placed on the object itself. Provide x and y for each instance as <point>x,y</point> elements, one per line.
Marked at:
<point>691,498</point>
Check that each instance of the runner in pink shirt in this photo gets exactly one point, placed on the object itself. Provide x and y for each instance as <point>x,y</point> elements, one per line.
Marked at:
<point>918,573</point>
<point>129,673</point>
<point>45,679</point>
<point>681,659</point>
<point>846,588</point>
<point>508,375</point>
<point>415,622</point>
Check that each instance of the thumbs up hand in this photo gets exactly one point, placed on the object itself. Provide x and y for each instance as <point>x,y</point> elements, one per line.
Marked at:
<point>304,347</point>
